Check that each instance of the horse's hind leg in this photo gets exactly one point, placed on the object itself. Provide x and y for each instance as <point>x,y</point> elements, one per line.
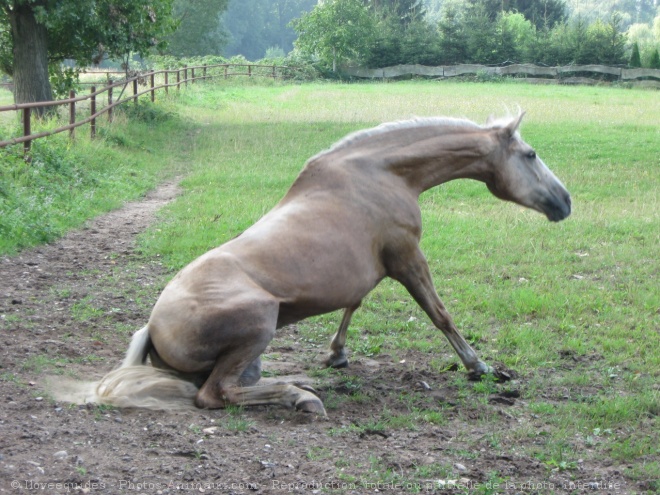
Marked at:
<point>239,365</point>
<point>252,373</point>
<point>337,357</point>
<point>223,388</point>
<point>235,366</point>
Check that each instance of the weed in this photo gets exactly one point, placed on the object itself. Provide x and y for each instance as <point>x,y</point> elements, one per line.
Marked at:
<point>235,419</point>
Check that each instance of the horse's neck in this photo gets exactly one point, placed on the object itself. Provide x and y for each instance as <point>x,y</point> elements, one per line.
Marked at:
<point>423,158</point>
<point>431,162</point>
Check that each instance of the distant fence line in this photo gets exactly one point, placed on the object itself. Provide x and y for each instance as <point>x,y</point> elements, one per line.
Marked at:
<point>558,73</point>
<point>155,80</point>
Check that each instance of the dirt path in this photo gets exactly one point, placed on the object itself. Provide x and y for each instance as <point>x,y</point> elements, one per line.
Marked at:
<point>70,308</point>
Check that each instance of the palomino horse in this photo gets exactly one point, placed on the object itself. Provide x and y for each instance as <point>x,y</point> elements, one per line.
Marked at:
<point>350,219</point>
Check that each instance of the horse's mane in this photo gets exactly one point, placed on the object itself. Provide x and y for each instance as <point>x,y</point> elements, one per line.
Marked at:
<point>448,122</point>
<point>401,124</point>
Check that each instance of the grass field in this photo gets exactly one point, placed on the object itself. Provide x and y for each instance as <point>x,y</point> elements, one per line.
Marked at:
<point>573,307</point>
<point>527,293</point>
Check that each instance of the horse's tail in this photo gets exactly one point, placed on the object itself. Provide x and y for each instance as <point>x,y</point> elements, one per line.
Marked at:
<point>132,384</point>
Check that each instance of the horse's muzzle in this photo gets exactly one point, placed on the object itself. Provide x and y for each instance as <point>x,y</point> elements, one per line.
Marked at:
<point>557,206</point>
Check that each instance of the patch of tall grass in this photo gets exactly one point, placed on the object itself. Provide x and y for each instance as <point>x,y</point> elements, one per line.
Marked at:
<point>63,183</point>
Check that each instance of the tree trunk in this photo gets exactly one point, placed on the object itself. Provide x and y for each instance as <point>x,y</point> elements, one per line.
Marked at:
<point>30,40</point>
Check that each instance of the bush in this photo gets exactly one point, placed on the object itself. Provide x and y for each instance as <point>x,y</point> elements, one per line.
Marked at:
<point>654,63</point>
<point>635,59</point>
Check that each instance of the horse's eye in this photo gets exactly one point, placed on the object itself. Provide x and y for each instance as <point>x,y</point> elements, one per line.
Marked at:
<point>531,155</point>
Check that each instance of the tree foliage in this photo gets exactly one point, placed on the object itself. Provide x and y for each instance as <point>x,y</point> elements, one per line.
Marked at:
<point>635,59</point>
<point>200,28</point>
<point>336,31</point>
<point>255,26</point>
<point>469,31</point>
<point>38,34</point>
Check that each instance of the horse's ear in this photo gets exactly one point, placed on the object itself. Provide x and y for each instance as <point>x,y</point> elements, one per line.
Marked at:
<point>512,127</point>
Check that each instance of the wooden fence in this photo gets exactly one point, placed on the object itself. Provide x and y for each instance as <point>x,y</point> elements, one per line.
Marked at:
<point>154,80</point>
<point>530,71</point>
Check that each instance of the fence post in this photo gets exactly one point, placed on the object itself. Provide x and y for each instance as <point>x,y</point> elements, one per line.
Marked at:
<point>93,111</point>
<point>185,75</point>
<point>274,76</point>
<point>167,89</point>
<point>135,91</point>
<point>249,71</point>
<point>26,129</point>
<point>192,74</point>
<point>72,114</point>
<point>204,72</point>
<point>110,104</point>
<point>152,81</point>
<point>178,79</point>
<point>226,70</point>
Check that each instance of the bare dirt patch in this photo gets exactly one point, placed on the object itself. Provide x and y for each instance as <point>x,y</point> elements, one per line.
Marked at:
<point>393,425</point>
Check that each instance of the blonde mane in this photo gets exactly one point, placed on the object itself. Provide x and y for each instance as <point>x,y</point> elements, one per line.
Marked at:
<point>400,124</point>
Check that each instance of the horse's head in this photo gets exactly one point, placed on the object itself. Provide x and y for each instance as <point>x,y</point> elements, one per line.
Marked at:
<point>517,174</point>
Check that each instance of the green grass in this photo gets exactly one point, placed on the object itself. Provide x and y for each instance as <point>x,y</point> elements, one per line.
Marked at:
<point>65,183</point>
<point>524,291</point>
<point>573,307</point>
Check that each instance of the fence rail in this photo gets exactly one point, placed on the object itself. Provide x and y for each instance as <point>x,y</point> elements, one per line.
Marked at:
<point>559,73</point>
<point>183,76</point>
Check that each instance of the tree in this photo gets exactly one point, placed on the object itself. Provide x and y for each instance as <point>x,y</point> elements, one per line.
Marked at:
<point>514,35</point>
<point>335,30</point>
<point>616,41</point>
<point>283,11</point>
<point>404,11</point>
<point>254,26</point>
<point>385,49</point>
<point>654,62</point>
<point>420,44</point>
<point>42,33</point>
<point>635,59</point>
<point>543,13</point>
<point>199,31</point>
<point>452,37</point>
<point>480,34</point>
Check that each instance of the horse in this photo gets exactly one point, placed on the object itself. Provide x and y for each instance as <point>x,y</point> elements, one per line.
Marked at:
<point>350,219</point>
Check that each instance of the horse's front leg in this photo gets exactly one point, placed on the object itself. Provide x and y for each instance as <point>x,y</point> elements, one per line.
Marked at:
<point>411,269</point>
<point>337,357</point>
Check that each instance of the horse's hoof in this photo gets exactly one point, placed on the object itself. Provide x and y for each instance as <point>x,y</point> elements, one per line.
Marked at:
<point>500,375</point>
<point>310,405</point>
<point>306,387</point>
<point>337,361</point>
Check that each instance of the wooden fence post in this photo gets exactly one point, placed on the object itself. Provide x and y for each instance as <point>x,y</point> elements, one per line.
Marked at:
<point>274,76</point>
<point>192,74</point>
<point>110,104</point>
<point>135,91</point>
<point>26,129</point>
<point>167,89</point>
<point>152,82</point>
<point>185,75</point>
<point>72,114</point>
<point>92,105</point>
<point>226,70</point>
<point>249,71</point>
<point>178,79</point>
<point>204,72</point>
